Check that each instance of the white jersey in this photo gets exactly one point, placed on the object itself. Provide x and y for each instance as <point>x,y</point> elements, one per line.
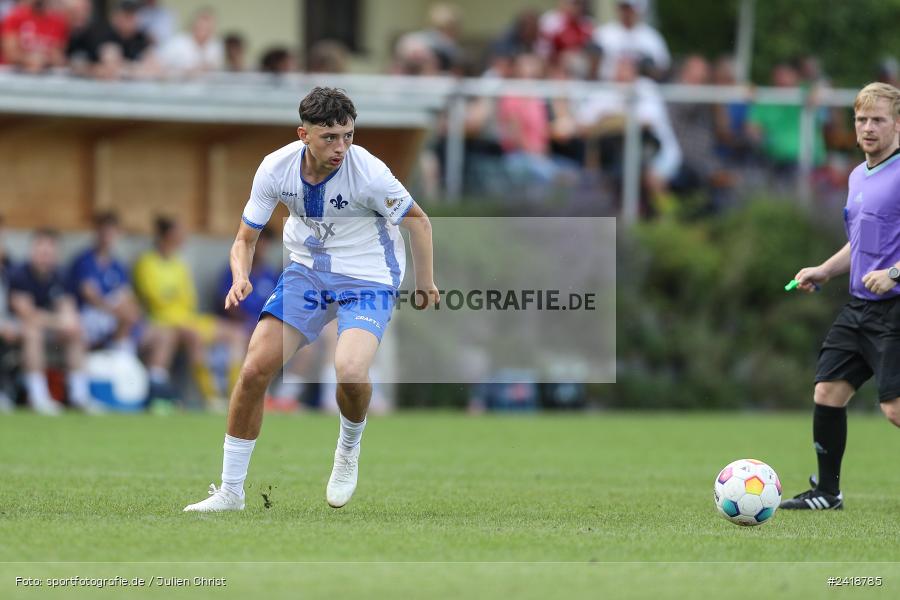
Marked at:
<point>347,224</point>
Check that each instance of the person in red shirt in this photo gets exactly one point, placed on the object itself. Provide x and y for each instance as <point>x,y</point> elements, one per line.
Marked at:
<point>569,27</point>
<point>33,37</point>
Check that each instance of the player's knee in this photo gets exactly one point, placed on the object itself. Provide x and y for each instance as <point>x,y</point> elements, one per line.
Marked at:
<point>891,410</point>
<point>832,393</point>
<point>351,370</point>
<point>256,374</point>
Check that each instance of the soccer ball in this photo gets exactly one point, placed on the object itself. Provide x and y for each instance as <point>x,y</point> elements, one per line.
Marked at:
<point>747,492</point>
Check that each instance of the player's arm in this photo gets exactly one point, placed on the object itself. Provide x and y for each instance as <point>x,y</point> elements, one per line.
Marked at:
<point>418,225</point>
<point>810,277</point>
<point>241,260</point>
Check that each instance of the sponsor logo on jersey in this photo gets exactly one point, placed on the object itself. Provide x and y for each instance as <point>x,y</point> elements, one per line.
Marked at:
<point>390,202</point>
<point>368,320</point>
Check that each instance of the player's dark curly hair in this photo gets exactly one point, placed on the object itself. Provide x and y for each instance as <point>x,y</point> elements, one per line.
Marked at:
<point>327,106</point>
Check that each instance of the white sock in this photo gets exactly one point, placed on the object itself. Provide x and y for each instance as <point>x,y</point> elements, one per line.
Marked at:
<point>79,388</point>
<point>351,433</point>
<point>235,463</point>
<point>36,386</point>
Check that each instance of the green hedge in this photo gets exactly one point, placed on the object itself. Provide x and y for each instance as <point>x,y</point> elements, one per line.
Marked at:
<point>703,318</point>
<point>704,321</point>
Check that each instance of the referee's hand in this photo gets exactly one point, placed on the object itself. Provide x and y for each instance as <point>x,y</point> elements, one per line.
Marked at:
<point>878,282</point>
<point>809,279</point>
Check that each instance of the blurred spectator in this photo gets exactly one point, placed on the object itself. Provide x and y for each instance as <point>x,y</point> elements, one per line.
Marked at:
<point>277,61</point>
<point>630,37</point>
<point>776,127</point>
<point>196,52</point>
<point>10,333</point>
<point>34,36</point>
<point>525,133</point>
<point>441,39</point>
<point>47,313</point>
<point>568,27</point>
<point>235,53</point>
<point>84,32</point>
<point>602,117</point>
<point>523,36</point>
<point>109,310</point>
<point>413,56</point>
<point>694,126</point>
<point>565,135</point>
<point>157,21</point>
<point>731,118</point>
<point>327,56</point>
<point>165,285</point>
<point>123,50</point>
<point>263,278</point>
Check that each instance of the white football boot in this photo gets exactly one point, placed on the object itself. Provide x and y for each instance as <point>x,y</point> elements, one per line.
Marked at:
<point>219,500</point>
<point>342,482</point>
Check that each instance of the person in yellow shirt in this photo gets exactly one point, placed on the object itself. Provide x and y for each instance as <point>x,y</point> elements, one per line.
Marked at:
<point>165,285</point>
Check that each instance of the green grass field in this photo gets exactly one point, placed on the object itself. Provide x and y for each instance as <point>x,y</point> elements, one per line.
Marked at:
<point>601,505</point>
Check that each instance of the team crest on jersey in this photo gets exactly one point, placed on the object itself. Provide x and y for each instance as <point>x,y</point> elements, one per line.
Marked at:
<point>858,197</point>
<point>338,202</point>
<point>390,202</point>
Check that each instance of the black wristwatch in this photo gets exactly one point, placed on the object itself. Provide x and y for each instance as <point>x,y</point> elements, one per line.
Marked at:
<point>894,273</point>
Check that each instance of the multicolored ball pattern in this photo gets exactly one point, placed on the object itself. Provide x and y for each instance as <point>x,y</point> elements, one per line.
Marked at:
<point>747,492</point>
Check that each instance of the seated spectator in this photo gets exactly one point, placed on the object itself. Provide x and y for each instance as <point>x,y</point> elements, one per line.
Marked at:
<point>602,118</point>
<point>327,56</point>
<point>731,119</point>
<point>33,36</point>
<point>630,37</point>
<point>413,56</point>
<point>110,314</point>
<point>10,333</point>
<point>567,28</point>
<point>277,61</point>
<point>523,36</point>
<point>165,285</point>
<point>776,127</point>
<point>525,133</point>
<point>197,52</point>
<point>47,313</point>
<point>263,278</point>
<point>442,36</point>
<point>83,30</point>
<point>694,127</point>
<point>157,21</point>
<point>235,53</point>
<point>123,50</point>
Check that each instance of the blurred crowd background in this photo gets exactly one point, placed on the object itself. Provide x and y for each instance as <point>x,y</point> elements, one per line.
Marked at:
<point>726,162</point>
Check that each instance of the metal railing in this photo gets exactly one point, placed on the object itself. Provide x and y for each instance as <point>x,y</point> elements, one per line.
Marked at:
<point>383,101</point>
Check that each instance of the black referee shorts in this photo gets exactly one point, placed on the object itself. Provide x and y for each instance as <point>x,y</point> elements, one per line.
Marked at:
<point>864,340</point>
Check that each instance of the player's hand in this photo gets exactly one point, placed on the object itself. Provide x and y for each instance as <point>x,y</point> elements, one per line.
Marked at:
<point>239,291</point>
<point>878,282</point>
<point>810,279</point>
<point>426,295</point>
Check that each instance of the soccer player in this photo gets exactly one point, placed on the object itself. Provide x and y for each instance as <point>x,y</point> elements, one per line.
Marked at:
<point>347,261</point>
<point>865,337</point>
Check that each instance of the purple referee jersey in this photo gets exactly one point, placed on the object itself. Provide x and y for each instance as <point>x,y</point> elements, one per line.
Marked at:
<point>872,222</point>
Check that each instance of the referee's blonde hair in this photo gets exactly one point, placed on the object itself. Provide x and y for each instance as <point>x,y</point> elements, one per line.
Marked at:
<point>870,94</point>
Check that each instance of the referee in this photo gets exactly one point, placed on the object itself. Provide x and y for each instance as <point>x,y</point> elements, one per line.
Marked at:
<point>865,337</point>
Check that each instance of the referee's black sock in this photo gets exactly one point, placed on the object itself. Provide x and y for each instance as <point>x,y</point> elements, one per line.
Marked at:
<point>830,439</point>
